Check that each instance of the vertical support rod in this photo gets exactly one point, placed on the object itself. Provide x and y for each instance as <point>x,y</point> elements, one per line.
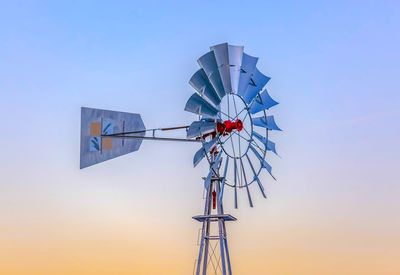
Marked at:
<point>226,244</point>
<point>221,223</point>
<point>206,209</point>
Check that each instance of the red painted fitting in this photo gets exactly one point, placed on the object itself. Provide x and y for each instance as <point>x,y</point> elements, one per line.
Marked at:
<point>214,150</point>
<point>214,195</point>
<point>228,126</point>
<point>239,125</point>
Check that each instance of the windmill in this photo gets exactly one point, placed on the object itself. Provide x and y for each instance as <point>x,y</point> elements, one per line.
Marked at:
<point>232,130</point>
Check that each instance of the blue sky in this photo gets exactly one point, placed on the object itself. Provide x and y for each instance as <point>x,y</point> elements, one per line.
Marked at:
<point>334,68</point>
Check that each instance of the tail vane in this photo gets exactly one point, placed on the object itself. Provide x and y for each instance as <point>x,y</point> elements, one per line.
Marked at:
<point>96,123</point>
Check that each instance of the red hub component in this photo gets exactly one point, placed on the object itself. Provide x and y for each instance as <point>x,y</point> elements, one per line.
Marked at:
<point>228,126</point>
<point>214,150</point>
<point>224,129</point>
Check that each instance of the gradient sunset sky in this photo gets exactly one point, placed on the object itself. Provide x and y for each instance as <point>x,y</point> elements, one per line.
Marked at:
<point>334,68</point>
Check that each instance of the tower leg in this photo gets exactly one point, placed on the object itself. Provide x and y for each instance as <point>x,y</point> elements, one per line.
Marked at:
<point>228,261</point>
<point>204,233</point>
<point>221,225</point>
<point>207,211</point>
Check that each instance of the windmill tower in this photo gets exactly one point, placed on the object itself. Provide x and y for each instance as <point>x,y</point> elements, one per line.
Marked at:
<point>233,131</point>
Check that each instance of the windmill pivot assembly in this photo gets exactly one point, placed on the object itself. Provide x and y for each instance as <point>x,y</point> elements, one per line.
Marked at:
<point>232,129</point>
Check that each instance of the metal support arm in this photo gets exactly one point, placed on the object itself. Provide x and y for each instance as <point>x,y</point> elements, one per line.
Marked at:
<point>128,134</point>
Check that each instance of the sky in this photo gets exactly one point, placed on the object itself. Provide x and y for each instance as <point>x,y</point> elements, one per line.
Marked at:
<point>334,68</point>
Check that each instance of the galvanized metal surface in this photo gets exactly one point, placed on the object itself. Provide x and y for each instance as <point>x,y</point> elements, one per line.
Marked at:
<point>121,122</point>
<point>263,103</point>
<point>266,122</point>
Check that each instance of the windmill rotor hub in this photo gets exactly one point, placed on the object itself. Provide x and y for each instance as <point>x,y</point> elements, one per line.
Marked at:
<point>226,127</point>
